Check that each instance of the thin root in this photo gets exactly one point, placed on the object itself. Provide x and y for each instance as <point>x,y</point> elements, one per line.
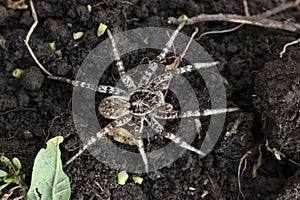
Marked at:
<point>246,8</point>
<point>240,174</point>
<point>34,15</point>
<point>219,32</point>
<point>287,45</point>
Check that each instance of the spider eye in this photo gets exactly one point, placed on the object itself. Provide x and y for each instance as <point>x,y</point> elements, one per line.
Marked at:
<point>114,107</point>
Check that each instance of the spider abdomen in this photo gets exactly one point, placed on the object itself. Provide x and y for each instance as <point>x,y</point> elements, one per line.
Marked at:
<point>114,107</point>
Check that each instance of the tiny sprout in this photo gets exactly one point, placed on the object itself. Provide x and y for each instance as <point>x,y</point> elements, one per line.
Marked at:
<point>3,173</point>
<point>52,46</point>
<point>17,73</point>
<point>183,17</point>
<point>89,8</point>
<point>278,155</point>
<point>5,160</point>
<point>17,163</point>
<point>137,179</point>
<point>101,29</point>
<point>78,35</point>
<point>122,177</point>
<point>12,174</point>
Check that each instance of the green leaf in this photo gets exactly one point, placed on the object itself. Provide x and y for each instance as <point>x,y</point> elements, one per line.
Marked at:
<point>137,179</point>
<point>48,177</point>
<point>13,179</point>
<point>101,29</point>
<point>17,163</point>
<point>78,35</point>
<point>122,177</point>
<point>278,155</point>
<point>183,17</point>
<point>3,173</point>
<point>17,73</point>
<point>3,186</point>
<point>52,46</point>
<point>89,8</point>
<point>5,160</point>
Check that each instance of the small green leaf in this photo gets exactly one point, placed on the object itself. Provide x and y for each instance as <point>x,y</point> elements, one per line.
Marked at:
<point>48,177</point>
<point>3,186</point>
<point>9,179</point>
<point>3,173</point>
<point>89,8</point>
<point>123,136</point>
<point>17,163</point>
<point>101,29</point>
<point>5,160</point>
<point>183,17</point>
<point>78,35</point>
<point>137,179</point>
<point>278,154</point>
<point>52,46</point>
<point>122,177</point>
<point>17,73</point>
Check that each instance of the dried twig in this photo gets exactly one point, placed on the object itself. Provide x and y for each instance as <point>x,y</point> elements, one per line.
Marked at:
<point>257,20</point>
<point>34,15</point>
<point>287,45</point>
<point>278,9</point>
<point>243,160</point>
<point>16,5</point>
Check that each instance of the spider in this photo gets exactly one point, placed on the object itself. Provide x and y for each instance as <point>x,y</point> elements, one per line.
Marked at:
<point>143,102</point>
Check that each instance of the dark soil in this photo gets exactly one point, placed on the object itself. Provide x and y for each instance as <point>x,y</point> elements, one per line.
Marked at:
<point>265,87</point>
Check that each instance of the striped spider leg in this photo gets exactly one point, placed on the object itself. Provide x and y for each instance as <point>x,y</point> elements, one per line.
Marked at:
<point>158,128</point>
<point>105,89</point>
<point>125,78</point>
<point>139,140</point>
<point>154,65</point>
<point>99,135</point>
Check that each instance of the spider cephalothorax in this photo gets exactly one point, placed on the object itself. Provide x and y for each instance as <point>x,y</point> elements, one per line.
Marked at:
<point>143,102</point>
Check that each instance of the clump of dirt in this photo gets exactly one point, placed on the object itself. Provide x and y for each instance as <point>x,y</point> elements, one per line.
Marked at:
<point>277,86</point>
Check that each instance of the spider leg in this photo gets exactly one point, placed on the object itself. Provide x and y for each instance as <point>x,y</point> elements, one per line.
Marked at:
<point>153,65</point>
<point>139,140</point>
<point>116,123</point>
<point>157,127</point>
<point>97,88</point>
<point>169,44</point>
<point>126,79</point>
<point>165,77</point>
<point>176,114</point>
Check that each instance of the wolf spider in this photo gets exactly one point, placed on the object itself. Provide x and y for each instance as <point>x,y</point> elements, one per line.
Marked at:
<point>144,102</point>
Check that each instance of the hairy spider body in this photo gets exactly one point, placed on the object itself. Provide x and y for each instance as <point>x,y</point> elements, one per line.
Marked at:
<point>143,102</point>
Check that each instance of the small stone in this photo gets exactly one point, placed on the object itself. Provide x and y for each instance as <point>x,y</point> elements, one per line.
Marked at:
<point>32,78</point>
<point>232,48</point>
